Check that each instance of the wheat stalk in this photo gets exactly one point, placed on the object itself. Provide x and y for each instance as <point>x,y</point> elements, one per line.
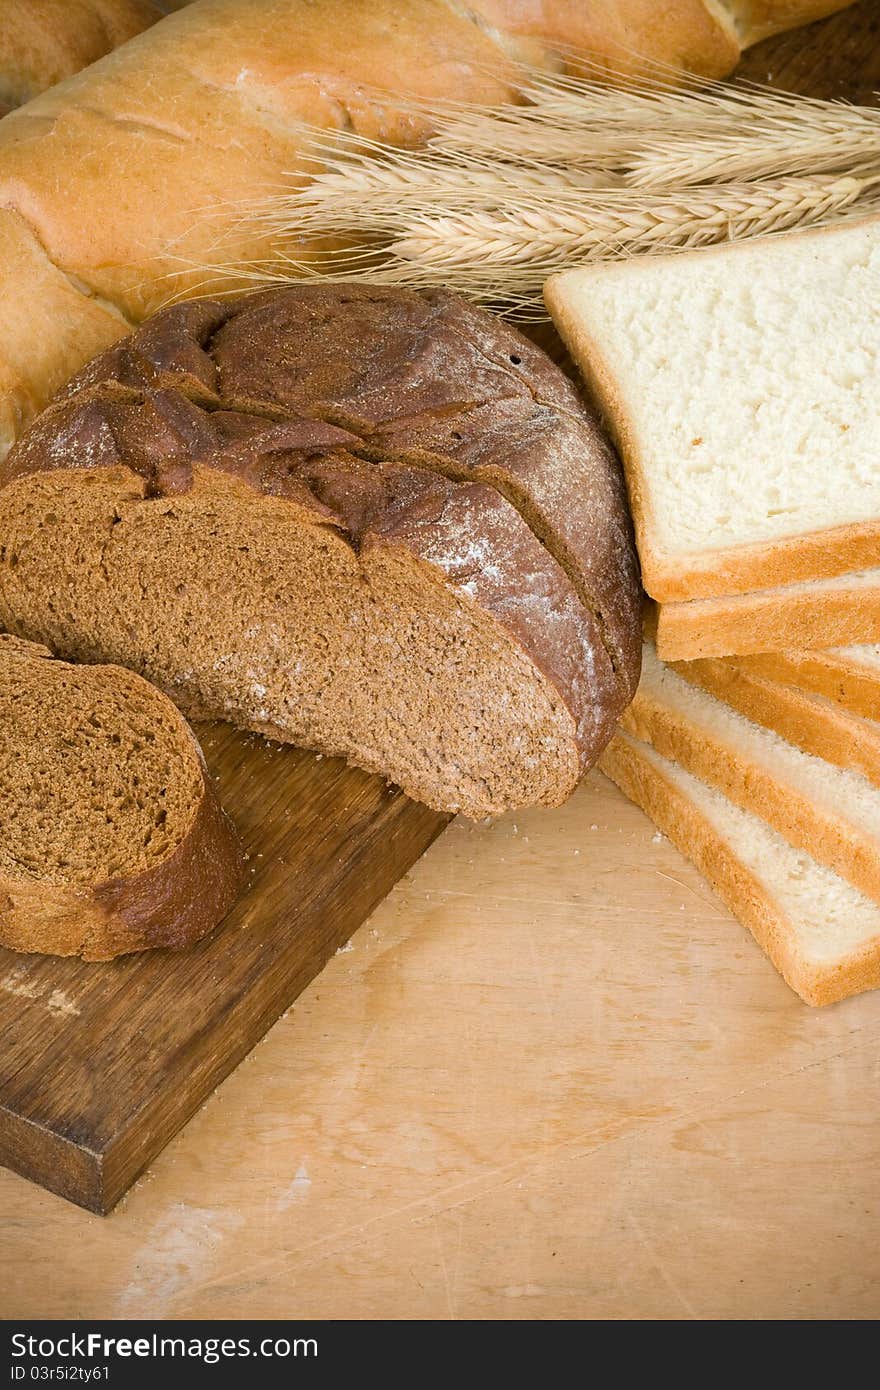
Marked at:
<point>504,256</point>
<point>499,198</point>
<point>573,121</point>
<point>529,243</point>
<point>372,183</point>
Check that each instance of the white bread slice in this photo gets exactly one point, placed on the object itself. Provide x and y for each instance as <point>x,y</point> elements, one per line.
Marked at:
<point>820,613</point>
<point>831,813</point>
<point>821,934</point>
<point>850,676</point>
<point>809,721</point>
<point>740,384</point>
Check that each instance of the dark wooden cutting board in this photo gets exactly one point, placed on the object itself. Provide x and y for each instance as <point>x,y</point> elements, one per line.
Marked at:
<point>101,1064</point>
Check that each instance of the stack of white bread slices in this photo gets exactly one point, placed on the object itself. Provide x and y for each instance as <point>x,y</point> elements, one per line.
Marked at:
<point>742,385</point>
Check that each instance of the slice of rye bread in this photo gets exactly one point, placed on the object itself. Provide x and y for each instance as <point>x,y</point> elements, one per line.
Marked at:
<point>738,381</point>
<point>809,721</point>
<point>111,835</point>
<point>822,613</point>
<point>371,522</point>
<point>831,813</point>
<point>848,676</point>
<point>822,935</point>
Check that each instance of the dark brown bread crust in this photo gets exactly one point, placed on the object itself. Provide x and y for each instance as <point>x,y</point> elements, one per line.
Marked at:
<point>419,378</point>
<point>179,901</point>
<point>413,419</point>
<point>172,903</point>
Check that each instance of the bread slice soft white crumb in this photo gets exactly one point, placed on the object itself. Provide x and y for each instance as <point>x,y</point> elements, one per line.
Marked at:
<point>822,935</point>
<point>832,813</point>
<point>810,721</point>
<point>740,383</point>
<point>867,656</point>
<point>817,613</point>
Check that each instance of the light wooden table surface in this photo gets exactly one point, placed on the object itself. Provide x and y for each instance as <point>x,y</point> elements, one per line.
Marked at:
<point>552,1078</point>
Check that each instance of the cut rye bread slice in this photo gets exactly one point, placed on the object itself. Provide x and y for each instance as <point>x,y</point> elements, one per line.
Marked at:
<point>818,614</point>
<point>809,721</point>
<point>373,523</point>
<point>832,813</point>
<point>739,382</point>
<point>848,676</point>
<point>822,935</point>
<point>111,836</point>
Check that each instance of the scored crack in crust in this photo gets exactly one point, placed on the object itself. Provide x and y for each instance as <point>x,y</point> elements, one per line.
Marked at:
<point>423,379</point>
<point>392,419</point>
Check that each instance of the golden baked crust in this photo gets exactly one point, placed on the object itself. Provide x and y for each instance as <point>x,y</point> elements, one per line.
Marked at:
<point>152,151</point>
<point>44,41</point>
<point>819,726</point>
<point>819,613</point>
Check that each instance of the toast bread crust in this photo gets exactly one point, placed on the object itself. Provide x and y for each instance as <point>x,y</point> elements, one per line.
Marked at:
<point>766,621</point>
<point>628,764</point>
<point>833,674</point>
<point>843,845</point>
<point>722,571</point>
<point>809,721</point>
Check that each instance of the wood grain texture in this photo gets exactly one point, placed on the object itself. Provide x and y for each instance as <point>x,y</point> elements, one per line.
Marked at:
<point>834,58</point>
<point>552,1078</point>
<point>102,1064</point>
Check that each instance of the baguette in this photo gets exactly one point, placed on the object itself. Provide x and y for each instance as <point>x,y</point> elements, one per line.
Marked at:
<point>130,176</point>
<point>819,613</point>
<point>831,813</point>
<point>820,933</point>
<point>111,836</point>
<point>44,41</point>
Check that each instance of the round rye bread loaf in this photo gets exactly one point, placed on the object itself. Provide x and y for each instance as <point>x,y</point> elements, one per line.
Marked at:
<point>369,521</point>
<point>111,835</point>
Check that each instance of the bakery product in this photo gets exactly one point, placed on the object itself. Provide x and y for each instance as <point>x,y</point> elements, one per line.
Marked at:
<point>812,722</point>
<point>111,836</point>
<point>166,137</point>
<point>849,676</point>
<point>822,935</point>
<point>369,521</point>
<point>754,20</point>
<point>737,381</point>
<point>44,41</point>
<point>819,613</point>
<point>831,813</point>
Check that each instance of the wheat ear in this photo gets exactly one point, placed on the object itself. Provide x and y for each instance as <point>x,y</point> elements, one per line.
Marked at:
<point>504,256</point>
<point>500,198</point>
